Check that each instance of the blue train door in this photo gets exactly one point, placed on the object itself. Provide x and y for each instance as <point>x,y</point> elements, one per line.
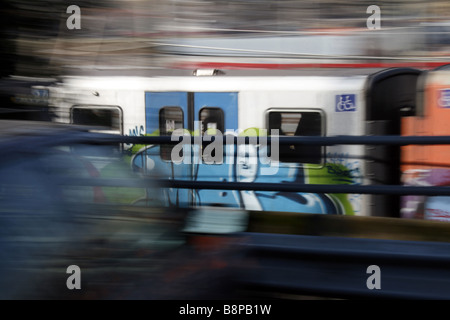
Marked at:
<point>199,113</point>
<point>164,113</point>
<point>214,112</point>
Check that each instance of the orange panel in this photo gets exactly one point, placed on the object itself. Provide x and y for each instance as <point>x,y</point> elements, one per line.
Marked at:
<point>435,122</point>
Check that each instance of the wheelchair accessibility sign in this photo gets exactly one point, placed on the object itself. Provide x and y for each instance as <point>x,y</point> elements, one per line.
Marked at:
<point>345,103</point>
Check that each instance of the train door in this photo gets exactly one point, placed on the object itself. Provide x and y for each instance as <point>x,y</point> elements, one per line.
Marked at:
<point>199,113</point>
<point>215,112</point>
<point>428,165</point>
<point>165,112</point>
<point>390,96</point>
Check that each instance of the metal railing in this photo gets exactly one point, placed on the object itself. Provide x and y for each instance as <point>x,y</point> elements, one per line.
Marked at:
<point>90,138</point>
<point>319,265</point>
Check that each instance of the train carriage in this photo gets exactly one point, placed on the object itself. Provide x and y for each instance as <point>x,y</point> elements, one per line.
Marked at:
<point>253,103</point>
<point>428,165</point>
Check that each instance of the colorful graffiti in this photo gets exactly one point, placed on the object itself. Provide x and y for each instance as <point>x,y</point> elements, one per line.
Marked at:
<point>426,207</point>
<point>135,132</point>
<point>343,169</point>
<point>250,163</point>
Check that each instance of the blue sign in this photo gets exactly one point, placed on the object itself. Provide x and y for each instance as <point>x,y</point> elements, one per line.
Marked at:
<point>345,103</point>
<point>444,98</point>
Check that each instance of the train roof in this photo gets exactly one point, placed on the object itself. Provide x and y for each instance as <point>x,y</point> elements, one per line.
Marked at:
<point>214,80</point>
<point>159,72</point>
<point>163,79</point>
<point>214,84</point>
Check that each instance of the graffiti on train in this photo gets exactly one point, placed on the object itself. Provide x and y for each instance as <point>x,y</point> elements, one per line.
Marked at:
<point>426,207</point>
<point>136,131</point>
<point>252,165</point>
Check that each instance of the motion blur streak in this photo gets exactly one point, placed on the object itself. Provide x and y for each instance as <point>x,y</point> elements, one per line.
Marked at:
<point>127,243</point>
<point>147,34</point>
<point>124,247</point>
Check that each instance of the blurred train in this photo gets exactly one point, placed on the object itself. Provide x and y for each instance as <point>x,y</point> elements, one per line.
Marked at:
<point>248,103</point>
<point>25,98</point>
<point>428,165</point>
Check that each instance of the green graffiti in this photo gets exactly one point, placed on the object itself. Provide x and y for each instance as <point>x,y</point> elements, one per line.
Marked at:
<point>253,132</point>
<point>329,173</point>
<point>120,195</point>
<point>332,173</point>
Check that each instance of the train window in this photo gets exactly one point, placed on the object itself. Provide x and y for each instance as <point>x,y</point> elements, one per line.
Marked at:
<point>212,123</point>
<point>212,119</point>
<point>108,118</point>
<point>170,119</point>
<point>298,123</point>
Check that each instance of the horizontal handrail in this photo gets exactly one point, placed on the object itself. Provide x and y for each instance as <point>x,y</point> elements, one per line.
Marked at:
<point>338,267</point>
<point>301,140</point>
<point>259,186</point>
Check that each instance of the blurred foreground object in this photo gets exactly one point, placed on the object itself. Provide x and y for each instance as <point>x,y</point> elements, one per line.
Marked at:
<point>25,98</point>
<point>68,198</point>
<point>48,223</point>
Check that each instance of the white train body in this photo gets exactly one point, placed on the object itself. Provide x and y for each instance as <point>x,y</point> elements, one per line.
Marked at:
<point>329,105</point>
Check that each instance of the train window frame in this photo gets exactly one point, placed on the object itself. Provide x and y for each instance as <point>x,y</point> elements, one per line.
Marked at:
<point>323,132</point>
<point>168,146</point>
<point>202,133</point>
<point>99,107</point>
